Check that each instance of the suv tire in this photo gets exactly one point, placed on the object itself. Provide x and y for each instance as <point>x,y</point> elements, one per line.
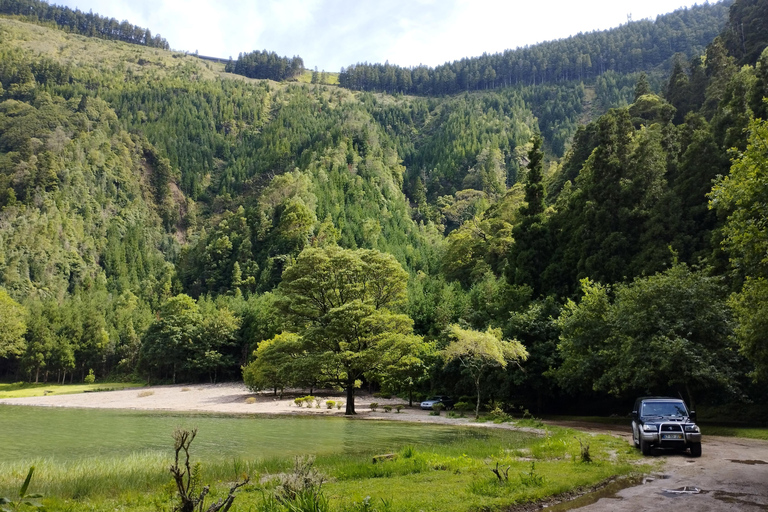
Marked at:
<point>645,446</point>
<point>695,449</point>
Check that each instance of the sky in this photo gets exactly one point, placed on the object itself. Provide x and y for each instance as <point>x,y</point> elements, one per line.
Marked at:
<point>329,34</point>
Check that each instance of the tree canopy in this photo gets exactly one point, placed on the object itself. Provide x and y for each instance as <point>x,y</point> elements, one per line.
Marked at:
<point>345,306</point>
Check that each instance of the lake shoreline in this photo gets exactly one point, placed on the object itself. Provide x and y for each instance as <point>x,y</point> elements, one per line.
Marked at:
<point>237,399</point>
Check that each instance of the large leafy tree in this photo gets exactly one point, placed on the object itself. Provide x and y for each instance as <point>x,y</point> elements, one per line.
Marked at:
<point>478,351</point>
<point>743,197</point>
<point>344,304</point>
<point>12,326</point>
<point>166,341</point>
<point>669,331</point>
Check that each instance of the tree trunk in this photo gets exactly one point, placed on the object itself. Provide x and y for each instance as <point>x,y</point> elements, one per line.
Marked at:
<point>691,402</point>
<point>410,397</point>
<point>477,406</point>
<point>350,410</point>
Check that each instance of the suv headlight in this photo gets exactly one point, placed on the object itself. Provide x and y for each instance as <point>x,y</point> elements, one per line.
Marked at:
<point>691,428</point>
<point>650,428</point>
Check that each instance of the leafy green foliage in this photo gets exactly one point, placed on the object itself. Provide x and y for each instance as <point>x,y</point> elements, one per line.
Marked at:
<point>669,331</point>
<point>742,196</point>
<point>24,499</point>
<point>344,305</point>
<point>12,326</point>
<point>478,351</point>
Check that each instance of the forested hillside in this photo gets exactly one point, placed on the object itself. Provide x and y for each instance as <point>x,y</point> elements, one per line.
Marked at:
<point>162,219</point>
<point>643,45</point>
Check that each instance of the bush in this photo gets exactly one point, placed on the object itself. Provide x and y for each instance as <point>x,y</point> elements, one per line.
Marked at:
<point>339,405</point>
<point>306,400</point>
<point>436,409</point>
<point>399,407</point>
<point>329,404</point>
<point>90,378</point>
<point>463,407</point>
<point>250,400</point>
<point>499,416</point>
<point>387,408</point>
<point>374,406</point>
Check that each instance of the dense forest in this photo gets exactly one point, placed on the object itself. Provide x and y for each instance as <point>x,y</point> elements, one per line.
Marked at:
<point>637,46</point>
<point>266,65</point>
<point>160,221</point>
<point>77,22</point>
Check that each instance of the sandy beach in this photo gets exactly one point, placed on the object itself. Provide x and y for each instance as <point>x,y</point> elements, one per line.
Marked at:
<point>236,398</point>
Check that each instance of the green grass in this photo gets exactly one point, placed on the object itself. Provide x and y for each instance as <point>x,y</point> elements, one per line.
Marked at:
<point>452,476</point>
<point>330,78</point>
<point>24,389</point>
<point>747,432</point>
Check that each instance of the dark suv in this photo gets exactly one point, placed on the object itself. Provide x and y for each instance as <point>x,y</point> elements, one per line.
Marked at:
<point>661,422</point>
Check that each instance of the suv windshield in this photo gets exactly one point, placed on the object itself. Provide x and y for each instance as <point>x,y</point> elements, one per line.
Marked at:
<point>664,409</point>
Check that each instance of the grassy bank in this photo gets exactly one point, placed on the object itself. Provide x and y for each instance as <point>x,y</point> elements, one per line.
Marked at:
<point>453,476</point>
<point>26,389</point>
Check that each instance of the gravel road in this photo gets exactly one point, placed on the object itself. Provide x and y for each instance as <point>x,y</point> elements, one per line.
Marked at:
<point>731,474</point>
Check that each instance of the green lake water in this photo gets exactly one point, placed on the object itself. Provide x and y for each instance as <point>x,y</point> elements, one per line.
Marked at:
<point>28,433</point>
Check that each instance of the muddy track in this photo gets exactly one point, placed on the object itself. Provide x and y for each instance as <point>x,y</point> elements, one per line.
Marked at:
<point>730,475</point>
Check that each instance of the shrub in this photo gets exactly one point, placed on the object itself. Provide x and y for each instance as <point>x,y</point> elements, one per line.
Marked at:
<point>499,416</point>
<point>436,409</point>
<point>339,405</point>
<point>187,478</point>
<point>250,400</point>
<point>299,401</point>
<point>399,407</point>
<point>463,406</point>
<point>318,401</point>
<point>374,406</point>
<point>387,408</point>
<point>301,489</point>
<point>532,479</point>
<point>142,394</point>
<point>90,378</point>
<point>329,404</point>
<point>584,449</point>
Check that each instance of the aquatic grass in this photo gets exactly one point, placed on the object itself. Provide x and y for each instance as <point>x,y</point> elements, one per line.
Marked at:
<point>26,389</point>
<point>450,472</point>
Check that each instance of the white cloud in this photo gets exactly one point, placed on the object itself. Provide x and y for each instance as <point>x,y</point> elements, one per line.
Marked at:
<point>334,33</point>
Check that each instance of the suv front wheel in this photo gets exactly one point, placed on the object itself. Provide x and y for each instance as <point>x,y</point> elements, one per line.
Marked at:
<point>645,446</point>
<point>695,449</point>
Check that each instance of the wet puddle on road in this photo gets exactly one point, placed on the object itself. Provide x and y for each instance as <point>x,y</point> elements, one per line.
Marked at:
<point>609,492</point>
<point>749,462</point>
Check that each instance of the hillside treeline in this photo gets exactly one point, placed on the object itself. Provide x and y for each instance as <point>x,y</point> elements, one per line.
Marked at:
<point>637,46</point>
<point>78,22</point>
<point>148,218</point>
<point>266,65</point>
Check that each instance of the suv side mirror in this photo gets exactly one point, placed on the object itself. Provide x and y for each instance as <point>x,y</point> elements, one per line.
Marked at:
<point>693,416</point>
<point>634,415</point>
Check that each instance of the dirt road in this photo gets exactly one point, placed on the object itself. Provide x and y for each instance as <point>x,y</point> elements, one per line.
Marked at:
<point>731,474</point>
